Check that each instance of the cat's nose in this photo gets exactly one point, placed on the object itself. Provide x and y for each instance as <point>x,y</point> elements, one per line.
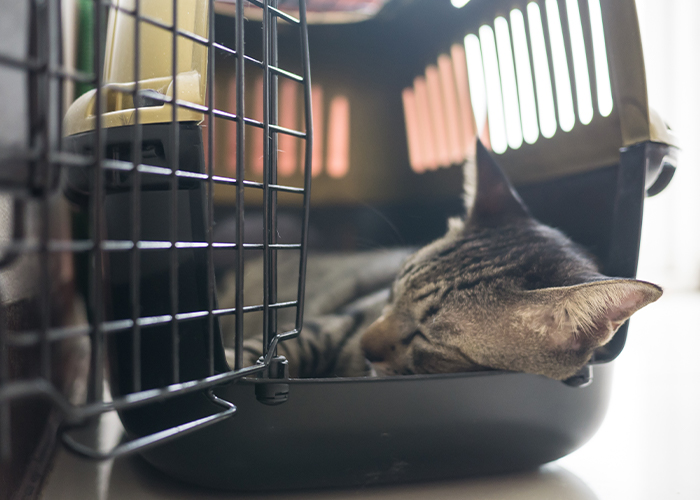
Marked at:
<point>379,340</point>
<point>370,343</point>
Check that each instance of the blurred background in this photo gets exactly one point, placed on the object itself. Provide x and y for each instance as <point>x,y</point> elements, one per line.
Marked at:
<point>646,447</point>
<point>670,250</point>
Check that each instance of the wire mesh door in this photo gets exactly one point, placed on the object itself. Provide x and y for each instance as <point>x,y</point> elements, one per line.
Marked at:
<point>109,207</point>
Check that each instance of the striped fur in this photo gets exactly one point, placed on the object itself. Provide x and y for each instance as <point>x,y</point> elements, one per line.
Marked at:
<point>499,291</point>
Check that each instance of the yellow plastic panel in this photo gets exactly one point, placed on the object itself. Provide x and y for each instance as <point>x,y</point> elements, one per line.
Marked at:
<point>155,65</point>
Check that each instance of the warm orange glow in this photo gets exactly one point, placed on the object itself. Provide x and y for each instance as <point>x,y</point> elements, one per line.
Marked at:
<point>426,131</point>
<point>338,161</point>
<point>451,109</point>
<point>437,115</point>
<point>317,152</point>
<point>257,135</point>
<point>412,130</point>
<point>485,135</point>
<point>287,144</point>
<point>459,62</point>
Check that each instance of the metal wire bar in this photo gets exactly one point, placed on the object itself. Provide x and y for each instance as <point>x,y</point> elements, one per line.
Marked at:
<point>31,338</point>
<point>240,191</point>
<point>126,166</point>
<point>307,167</point>
<point>39,138</point>
<point>135,279</point>
<point>200,39</point>
<point>259,64</point>
<point>49,154</point>
<point>222,114</point>
<point>151,440</point>
<point>267,173</point>
<point>276,12</point>
<point>33,64</point>
<point>42,387</point>
<point>174,195</point>
<point>272,213</point>
<point>211,280</point>
<point>97,352</point>
<point>78,246</point>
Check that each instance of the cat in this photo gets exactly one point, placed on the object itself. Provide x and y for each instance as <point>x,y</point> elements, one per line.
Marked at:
<point>499,291</point>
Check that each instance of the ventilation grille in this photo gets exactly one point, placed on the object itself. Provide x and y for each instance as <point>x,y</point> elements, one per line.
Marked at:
<point>331,148</point>
<point>539,72</point>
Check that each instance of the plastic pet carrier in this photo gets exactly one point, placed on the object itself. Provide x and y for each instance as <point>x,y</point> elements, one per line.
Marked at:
<point>149,149</point>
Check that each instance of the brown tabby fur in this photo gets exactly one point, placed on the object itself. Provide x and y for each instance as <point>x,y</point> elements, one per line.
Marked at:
<point>500,290</point>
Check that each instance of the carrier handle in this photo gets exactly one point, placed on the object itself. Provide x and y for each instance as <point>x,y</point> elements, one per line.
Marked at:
<point>157,438</point>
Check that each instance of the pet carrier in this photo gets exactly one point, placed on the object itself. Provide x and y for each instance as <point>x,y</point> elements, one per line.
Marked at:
<point>396,98</point>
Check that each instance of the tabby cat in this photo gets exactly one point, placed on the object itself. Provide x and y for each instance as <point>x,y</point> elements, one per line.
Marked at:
<point>499,291</point>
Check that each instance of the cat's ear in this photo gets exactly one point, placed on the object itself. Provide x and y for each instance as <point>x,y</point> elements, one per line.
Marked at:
<point>586,316</point>
<point>493,199</point>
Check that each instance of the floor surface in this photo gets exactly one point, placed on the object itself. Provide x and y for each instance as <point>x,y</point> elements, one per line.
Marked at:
<point>647,448</point>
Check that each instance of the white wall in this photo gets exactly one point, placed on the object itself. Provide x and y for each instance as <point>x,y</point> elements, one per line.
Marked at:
<point>670,253</point>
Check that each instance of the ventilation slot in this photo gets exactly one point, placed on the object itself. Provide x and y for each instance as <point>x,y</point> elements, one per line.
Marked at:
<point>545,98</point>
<point>513,82</point>
<point>338,162</point>
<point>317,153</point>
<point>511,108</point>
<point>602,73</point>
<point>526,93</point>
<point>565,102</point>
<point>578,49</point>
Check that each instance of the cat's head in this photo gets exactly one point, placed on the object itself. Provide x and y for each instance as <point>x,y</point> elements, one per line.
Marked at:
<point>500,290</point>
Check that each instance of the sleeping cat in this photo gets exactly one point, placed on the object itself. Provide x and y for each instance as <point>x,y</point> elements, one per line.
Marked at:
<point>498,291</point>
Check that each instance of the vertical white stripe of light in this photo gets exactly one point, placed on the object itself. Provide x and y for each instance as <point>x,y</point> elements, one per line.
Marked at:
<point>602,74</point>
<point>526,93</point>
<point>543,80</point>
<point>477,82</point>
<point>584,100</point>
<point>494,98</point>
<point>565,101</point>
<point>511,108</point>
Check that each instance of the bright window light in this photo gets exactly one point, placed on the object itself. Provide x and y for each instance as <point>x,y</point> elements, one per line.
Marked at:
<point>459,3</point>
<point>602,76</point>
<point>493,90</point>
<point>545,99</point>
<point>509,88</point>
<point>526,93</point>
<point>578,48</point>
<point>565,101</point>
<point>477,82</point>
